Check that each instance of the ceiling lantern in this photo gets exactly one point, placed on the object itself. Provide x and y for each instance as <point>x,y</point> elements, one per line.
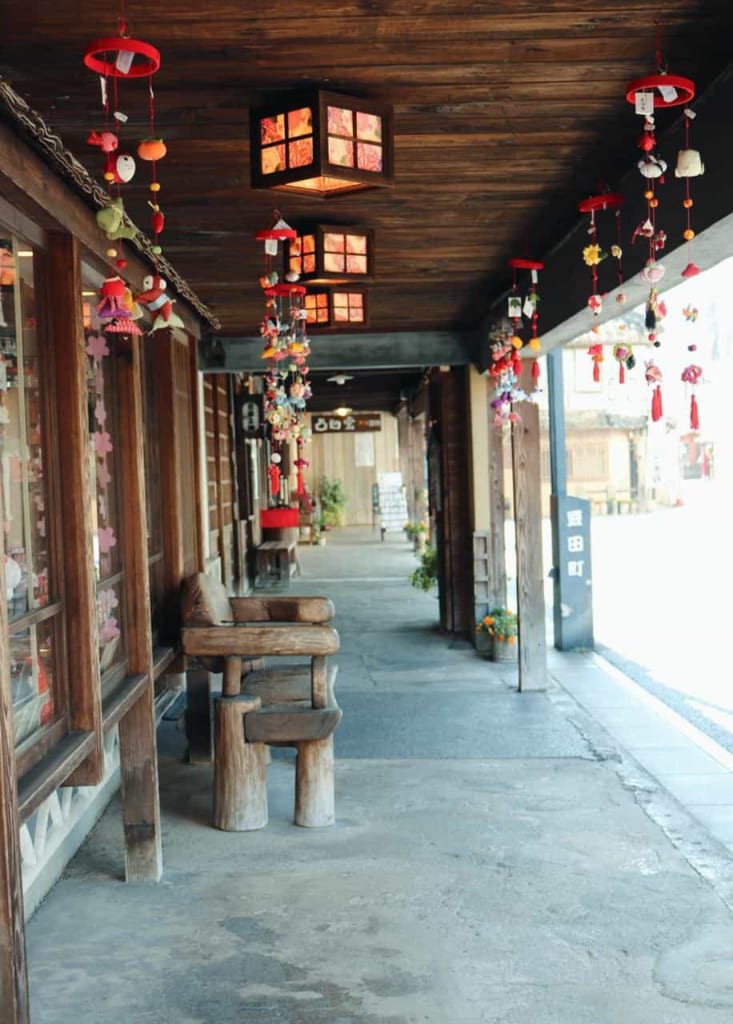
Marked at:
<point>327,254</point>
<point>336,308</point>
<point>320,143</point>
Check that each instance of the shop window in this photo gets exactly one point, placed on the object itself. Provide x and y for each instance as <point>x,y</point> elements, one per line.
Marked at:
<point>104,439</point>
<point>28,470</point>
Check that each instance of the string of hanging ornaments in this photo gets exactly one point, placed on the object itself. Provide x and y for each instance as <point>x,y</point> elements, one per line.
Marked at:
<point>593,255</point>
<point>505,343</point>
<point>649,94</point>
<point>287,387</point>
<point>119,59</point>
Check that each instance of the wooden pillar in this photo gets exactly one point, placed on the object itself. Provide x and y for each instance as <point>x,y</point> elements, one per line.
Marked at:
<point>528,523</point>
<point>138,751</point>
<point>80,592</point>
<point>169,485</point>
<point>13,968</point>
<point>496,501</point>
<point>240,775</point>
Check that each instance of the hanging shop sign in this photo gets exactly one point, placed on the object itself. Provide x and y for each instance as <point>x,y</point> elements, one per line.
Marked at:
<point>350,424</point>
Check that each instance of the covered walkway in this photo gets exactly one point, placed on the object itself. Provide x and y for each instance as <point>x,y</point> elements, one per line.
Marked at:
<point>498,858</point>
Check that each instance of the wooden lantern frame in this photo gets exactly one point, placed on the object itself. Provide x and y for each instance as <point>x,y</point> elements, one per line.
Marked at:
<point>320,273</point>
<point>333,178</point>
<point>330,323</point>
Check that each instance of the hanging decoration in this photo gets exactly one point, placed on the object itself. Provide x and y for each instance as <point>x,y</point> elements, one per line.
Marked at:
<point>115,59</point>
<point>596,354</point>
<point>624,356</point>
<point>593,253</point>
<point>691,376</point>
<point>648,94</point>
<point>504,369</point>
<point>653,377</point>
<point>287,387</point>
<point>527,307</point>
<point>689,165</point>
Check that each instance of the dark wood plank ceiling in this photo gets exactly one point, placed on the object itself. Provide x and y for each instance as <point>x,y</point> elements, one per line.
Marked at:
<point>506,113</point>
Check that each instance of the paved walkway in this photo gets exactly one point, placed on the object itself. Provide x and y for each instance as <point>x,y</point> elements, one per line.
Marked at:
<point>498,859</point>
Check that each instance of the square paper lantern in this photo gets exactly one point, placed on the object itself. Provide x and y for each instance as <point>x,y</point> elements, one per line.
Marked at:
<point>329,254</point>
<point>336,308</point>
<point>320,143</point>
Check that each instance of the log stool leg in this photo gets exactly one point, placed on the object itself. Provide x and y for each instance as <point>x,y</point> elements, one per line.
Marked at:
<point>240,776</point>
<point>315,802</point>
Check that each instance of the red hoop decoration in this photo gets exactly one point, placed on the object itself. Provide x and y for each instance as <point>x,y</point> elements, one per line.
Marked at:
<point>95,60</point>
<point>606,201</point>
<point>284,289</point>
<point>277,233</point>
<point>519,264</point>
<point>685,88</point>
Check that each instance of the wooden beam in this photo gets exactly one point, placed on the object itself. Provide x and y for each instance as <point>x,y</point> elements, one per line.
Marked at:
<point>349,351</point>
<point>138,752</point>
<point>13,969</point>
<point>528,524</point>
<point>67,331</point>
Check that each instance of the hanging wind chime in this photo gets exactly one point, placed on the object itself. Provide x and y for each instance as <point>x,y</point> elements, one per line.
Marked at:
<point>287,387</point>
<point>648,94</point>
<point>593,253</point>
<point>689,165</point>
<point>527,308</point>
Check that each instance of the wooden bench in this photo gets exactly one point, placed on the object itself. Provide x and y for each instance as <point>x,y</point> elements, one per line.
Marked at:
<point>287,706</point>
<point>277,561</point>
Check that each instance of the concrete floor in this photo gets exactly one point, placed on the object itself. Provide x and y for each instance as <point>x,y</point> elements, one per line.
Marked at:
<point>497,860</point>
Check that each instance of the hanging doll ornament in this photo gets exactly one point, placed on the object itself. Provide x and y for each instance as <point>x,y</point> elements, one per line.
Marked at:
<point>527,308</point>
<point>653,377</point>
<point>505,365</point>
<point>593,253</point>
<point>596,354</point>
<point>274,472</point>
<point>115,59</point>
<point>691,376</point>
<point>689,165</point>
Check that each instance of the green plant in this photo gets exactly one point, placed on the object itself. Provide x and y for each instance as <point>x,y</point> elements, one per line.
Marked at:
<point>413,529</point>
<point>501,624</point>
<point>333,500</point>
<point>426,575</point>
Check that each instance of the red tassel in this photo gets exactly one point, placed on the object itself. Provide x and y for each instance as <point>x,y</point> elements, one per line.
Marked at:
<point>274,473</point>
<point>535,371</point>
<point>621,373</point>
<point>301,484</point>
<point>694,414</point>
<point>657,404</point>
<point>596,371</point>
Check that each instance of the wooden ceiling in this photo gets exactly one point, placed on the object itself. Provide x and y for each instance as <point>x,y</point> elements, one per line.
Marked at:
<point>506,114</point>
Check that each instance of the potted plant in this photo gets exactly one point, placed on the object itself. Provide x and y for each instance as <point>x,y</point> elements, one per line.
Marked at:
<point>425,576</point>
<point>333,501</point>
<point>500,627</point>
<point>418,534</point>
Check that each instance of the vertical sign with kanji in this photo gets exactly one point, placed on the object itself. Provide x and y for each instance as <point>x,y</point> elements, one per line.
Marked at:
<point>573,605</point>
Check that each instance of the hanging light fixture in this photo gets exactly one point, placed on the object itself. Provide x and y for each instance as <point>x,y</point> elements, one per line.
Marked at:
<point>320,143</point>
<point>330,254</point>
<point>338,307</point>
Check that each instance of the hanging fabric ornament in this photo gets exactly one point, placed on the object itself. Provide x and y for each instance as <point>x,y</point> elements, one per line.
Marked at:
<point>527,307</point>
<point>653,377</point>
<point>624,356</point>
<point>283,329</point>
<point>596,354</point>
<point>692,375</point>
<point>689,165</point>
<point>274,473</point>
<point>115,59</point>
<point>505,365</point>
<point>300,464</point>
<point>648,94</point>
<point>593,253</point>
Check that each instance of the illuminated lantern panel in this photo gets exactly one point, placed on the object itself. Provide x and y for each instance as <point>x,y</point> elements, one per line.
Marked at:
<point>329,254</point>
<point>336,308</point>
<point>320,142</point>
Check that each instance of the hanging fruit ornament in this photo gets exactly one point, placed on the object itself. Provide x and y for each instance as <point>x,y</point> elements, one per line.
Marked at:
<point>653,377</point>
<point>691,376</point>
<point>647,95</point>
<point>593,253</point>
<point>116,59</point>
<point>689,165</point>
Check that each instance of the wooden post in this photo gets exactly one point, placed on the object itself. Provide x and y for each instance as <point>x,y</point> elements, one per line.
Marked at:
<point>138,751</point>
<point>13,970</point>
<point>497,584</point>
<point>528,522</point>
<point>240,775</point>
<point>315,799</point>
<point>67,327</point>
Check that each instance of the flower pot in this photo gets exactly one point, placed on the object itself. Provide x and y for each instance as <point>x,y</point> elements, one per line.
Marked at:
<point>501,650</point>
<point>420,542</point>
<point>482,643</point>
